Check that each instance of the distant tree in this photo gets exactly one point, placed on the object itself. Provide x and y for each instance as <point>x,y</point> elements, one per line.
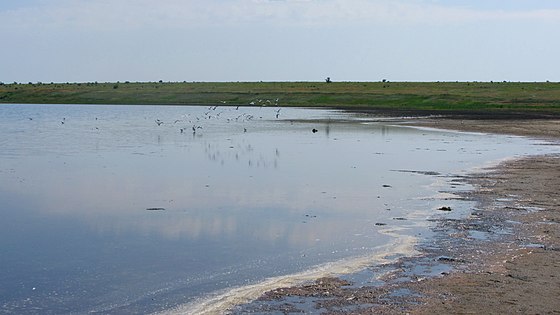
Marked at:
<point>160,81</point>
<point>328,80</point>
<point>384,80</point>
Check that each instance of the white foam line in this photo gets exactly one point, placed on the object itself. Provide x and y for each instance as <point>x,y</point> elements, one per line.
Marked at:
<point>222,302</point>
<point>437,129</point>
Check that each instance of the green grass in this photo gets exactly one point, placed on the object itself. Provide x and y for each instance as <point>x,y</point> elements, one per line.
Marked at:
<point>426,96</point>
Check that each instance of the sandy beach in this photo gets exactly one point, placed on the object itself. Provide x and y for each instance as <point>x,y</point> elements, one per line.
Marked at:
<point>517,273</point>
<point>504,256</point>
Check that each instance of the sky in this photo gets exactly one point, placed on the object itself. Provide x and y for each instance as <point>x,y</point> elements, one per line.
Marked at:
<point>279,40</point>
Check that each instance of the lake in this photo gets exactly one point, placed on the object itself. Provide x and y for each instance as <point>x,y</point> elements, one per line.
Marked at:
<point>142,209</point>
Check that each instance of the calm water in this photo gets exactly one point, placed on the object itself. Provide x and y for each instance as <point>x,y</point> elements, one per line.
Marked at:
<point>103,210</point>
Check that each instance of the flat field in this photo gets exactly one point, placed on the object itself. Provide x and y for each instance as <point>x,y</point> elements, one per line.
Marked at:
<point>538,98</point>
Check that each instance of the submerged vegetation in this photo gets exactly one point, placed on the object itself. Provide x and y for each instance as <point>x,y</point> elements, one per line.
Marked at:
<point>541,97</point>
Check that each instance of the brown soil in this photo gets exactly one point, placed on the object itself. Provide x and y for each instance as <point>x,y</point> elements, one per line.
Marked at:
<point>513,272</point>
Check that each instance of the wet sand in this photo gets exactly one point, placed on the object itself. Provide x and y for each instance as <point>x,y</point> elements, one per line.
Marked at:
<point>520,272</point>
<point>537,128</point>
<point>503,258</point>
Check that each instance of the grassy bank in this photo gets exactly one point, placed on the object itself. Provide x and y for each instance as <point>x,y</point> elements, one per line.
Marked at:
<point>541,97</point>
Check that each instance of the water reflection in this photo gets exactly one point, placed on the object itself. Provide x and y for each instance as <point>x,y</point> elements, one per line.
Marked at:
<point>242,193</point>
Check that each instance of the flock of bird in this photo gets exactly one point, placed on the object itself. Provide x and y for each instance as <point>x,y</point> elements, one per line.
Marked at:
<point>226,113</point>
<point>195,123</point>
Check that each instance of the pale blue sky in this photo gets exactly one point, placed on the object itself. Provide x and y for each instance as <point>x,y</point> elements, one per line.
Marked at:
<point>279,40</point>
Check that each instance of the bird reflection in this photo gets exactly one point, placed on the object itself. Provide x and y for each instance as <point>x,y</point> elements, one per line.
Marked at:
<point>239,150</point>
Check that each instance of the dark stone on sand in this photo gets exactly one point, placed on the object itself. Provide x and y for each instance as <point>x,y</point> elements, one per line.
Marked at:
<point>444,208</point>
<point>314,130</point>
<point>323,287</point>
<point>155,209</point>
<point>450,259</point>
<point>387,186</point>
<point>432,173</point>
<point>380,224</point>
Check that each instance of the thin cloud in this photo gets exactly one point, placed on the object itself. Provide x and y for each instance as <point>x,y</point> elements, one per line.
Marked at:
<point>138,14</point>
<point>110,40</point>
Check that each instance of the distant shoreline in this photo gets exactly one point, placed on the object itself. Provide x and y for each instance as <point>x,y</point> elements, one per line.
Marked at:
<point>476,100</point>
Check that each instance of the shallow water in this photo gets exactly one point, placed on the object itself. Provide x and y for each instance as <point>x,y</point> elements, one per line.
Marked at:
<point>103,210</point>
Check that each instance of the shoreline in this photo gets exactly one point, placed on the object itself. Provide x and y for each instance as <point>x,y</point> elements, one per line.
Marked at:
<point>546,129</point>
<point>514,272</point>
<point>504,257</point>
<point>476,100</point>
